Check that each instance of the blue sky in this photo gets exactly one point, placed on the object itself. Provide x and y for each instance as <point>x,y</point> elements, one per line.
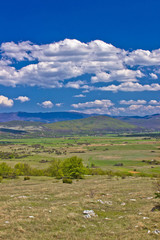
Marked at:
<point>87,56</point>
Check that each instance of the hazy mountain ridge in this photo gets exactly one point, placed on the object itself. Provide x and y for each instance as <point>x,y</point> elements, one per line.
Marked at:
<point>47,117</point>
<point>150,122</point>
<point>95,125</point>
<point>71,123</point>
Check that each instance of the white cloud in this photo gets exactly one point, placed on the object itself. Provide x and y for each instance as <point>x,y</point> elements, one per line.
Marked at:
<point>154,102</point>
<point>5,101</point>
<point>22,99</point>
<point>131,87</point>
<point>46,104</point>
<point>153,76</point>
<point>56,62</point>
<point>133,102</point>
<point>143,57</point>
<point>135,107</point>
<point>58,104</point>
<point>76,85</point>
<point>79,96</point>
<point>122,75</point>
<point>95,104</point>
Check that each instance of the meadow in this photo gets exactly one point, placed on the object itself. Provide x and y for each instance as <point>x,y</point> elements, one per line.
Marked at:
<point>46,208</point>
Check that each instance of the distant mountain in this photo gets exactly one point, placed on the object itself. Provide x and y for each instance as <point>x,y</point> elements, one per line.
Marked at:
<point>91,126</point>
<point>150,122</point>
<point>48,117</point>
<point>35,120</point>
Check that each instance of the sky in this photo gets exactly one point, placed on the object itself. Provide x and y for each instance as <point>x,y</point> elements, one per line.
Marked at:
<point>87,56</point>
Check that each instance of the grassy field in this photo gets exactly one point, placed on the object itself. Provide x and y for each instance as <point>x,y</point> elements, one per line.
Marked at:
<point>105,152</point>
<point>45,208</point>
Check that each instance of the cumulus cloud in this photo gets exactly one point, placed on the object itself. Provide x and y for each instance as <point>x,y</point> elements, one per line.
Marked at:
<point>76,84</point>
<point>79,96</point>
<point>153,76</point>
<point>95,104</point>
<point>58,104</point>
<point>5,101</point>
<point>50,65</point>
<point>132,110</point>
<point>46,104</point>
<point>133,102</point>
<point>131,87</point>
<point>22,99</point>
<point>154,102</point>
<point>122,75</point>
<point>143,58</point>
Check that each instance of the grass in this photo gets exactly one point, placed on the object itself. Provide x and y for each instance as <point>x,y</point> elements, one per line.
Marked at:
<point>44,208</point>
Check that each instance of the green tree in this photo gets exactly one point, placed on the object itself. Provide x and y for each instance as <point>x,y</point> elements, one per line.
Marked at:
<point>55,169</point>
<point>22,169</point>
<point>73,167</point>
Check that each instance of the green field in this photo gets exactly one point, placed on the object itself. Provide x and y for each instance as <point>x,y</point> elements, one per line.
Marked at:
<point>104,152</point>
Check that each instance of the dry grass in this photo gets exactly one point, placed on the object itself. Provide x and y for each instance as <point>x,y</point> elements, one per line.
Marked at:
<point>44,209</point>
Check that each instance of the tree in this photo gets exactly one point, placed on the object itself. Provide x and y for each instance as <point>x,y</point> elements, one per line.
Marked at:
<point>55,169</point>
<point>73,167</point>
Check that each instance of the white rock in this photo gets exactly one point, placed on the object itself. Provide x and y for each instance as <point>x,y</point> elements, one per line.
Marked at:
<point>100,201</point>
<point>123,204</point>
<point>156,231</point>
<point>89,213</point>
<point>133,200</point>
<point>22,197</point>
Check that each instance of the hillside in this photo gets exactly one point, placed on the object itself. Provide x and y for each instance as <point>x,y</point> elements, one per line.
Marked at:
<point>91,126</point>
<point>151,122</point>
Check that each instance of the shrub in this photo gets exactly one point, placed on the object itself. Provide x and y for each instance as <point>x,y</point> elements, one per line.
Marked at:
<point>73,167</point>
<point>55,169</point>
<point>67,180</point>
<point>1,178</point>
<point>22,169</point>
<point>26,178</point>
<point>6,171</point>
<point>95,171</point>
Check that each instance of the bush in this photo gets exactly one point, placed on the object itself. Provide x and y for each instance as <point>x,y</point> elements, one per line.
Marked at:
<point>67,180</point>
<point>1,178</point>
<point>55,169</point>
<point>22,169</point>
<point>73,167</point>
<point>95,171</point>
<point>6,171</point>
<point>26,178</point>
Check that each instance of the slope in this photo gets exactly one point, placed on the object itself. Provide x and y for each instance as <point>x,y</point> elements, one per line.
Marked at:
<point>91,126</point>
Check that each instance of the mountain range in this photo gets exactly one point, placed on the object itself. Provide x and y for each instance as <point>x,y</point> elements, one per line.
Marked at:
<point>72,123</point>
